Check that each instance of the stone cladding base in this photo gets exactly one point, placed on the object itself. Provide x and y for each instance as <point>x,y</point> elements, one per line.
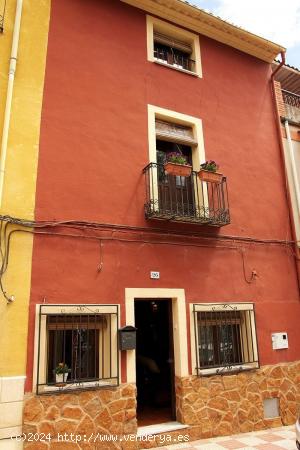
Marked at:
<point>211,406</point>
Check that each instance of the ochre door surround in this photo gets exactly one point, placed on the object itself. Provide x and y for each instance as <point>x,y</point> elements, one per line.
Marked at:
<point>179,326</point>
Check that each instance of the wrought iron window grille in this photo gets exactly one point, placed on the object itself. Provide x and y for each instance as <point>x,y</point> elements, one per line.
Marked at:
<point>83,340</point>
<point>225,338</point>
<point>173,57</point>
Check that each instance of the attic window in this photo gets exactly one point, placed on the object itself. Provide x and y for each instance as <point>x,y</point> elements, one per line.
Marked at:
<point>171,51</point>
<point>173,47</point>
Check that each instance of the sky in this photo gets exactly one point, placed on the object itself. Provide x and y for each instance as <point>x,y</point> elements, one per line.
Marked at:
<point>276,20</point>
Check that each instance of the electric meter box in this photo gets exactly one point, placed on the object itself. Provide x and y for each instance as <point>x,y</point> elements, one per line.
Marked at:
<point>127,338</point>
<point>280,340</point>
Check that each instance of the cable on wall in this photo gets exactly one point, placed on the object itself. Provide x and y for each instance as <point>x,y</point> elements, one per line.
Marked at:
<point>47,228</point>
<point>2,15</point>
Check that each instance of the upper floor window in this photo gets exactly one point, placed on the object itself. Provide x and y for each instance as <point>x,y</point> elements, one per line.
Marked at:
<point>173,52</point>
<point>173,47</point>
<point>175,192</point>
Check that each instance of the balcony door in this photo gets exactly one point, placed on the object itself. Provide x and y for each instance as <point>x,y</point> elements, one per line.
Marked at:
<point>175,193</point>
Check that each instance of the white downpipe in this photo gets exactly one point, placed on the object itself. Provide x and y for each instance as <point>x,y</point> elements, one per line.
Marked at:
<point>293,164</point>
<point>9,94</point>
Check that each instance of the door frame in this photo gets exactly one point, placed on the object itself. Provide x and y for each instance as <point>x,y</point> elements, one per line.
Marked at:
<point>179,326</point>
<point>171,353</point>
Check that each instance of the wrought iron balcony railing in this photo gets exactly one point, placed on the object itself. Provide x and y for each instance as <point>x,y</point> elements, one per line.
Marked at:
<point>185,199</point>
<point>292,105</point>
<point>175,60</point>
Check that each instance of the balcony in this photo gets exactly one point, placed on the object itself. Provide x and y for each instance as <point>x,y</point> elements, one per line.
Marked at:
<point>292,105</point>
<point>185,199</point>
<point>176,60</point>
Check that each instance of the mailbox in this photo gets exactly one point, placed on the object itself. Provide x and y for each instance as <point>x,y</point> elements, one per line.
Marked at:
<point>127,338</point>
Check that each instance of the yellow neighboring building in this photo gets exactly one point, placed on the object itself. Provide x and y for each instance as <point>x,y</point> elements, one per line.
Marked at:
<point>20,128</point>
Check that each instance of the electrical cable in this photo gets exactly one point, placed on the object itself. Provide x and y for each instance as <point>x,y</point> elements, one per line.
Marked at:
<point>37,226</point>
<point>120,227</point>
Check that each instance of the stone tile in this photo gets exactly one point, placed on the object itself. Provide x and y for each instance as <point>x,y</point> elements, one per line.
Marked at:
<point>252,441</point>
<point>268,446</point>
<point>8,444</point>
<point>203,441</point>
<point>185,445</point>
<point>249,448</point>
<point>161,428</point>
<point>288,444</point>
<point>10,432</point>
<point>12,389</point>
<point>231,444</point>
<point>211,446</point>
<point>287,434</point>
<point>11,414</point>
<point>269,437</point>
<point>186,448</point>
<point>281,438</point>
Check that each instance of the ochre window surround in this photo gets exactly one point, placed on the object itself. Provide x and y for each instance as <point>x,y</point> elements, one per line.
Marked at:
<point>186,127</point>
<point>223,338</point>
<point>102,320</point>
<point>174,37</point>
<point>171,123</point>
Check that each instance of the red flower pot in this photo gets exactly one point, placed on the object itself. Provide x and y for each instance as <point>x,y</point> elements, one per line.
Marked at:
<point>211,177</point>
<point>180,170</point>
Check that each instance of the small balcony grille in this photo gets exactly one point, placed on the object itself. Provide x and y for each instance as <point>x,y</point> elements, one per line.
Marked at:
<point>174,58</point>
<point>292,105</point>
<point>185,199</point>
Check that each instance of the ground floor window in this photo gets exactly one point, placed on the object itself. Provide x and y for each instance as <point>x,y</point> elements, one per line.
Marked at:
<point>77,347</point>
<point>225,336</point>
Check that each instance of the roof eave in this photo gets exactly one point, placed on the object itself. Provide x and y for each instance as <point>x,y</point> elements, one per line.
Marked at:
<point>208,25</point>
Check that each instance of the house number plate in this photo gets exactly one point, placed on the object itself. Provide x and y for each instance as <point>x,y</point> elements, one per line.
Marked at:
<point>154,275</point>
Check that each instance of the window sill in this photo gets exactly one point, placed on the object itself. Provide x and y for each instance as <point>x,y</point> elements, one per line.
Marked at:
<point>53,389</point>
<point>170,66</point>
<point>227,370</point>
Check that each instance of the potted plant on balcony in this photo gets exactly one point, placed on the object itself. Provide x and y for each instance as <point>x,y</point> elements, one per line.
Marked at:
<point>61,373</point>
<point>177,164</point>
<point>208,172</point>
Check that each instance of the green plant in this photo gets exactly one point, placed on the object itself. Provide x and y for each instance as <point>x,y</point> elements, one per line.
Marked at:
<point>62,368</point>
<point>210,166</point>
<point>176,158</point>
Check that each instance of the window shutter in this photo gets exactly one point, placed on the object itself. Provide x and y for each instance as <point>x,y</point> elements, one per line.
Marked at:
<point>173,132</point>
<point>171,42</point>
<point>73,322</point>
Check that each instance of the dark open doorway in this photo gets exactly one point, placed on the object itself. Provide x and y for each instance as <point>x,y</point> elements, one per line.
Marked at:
<point>154,361</point>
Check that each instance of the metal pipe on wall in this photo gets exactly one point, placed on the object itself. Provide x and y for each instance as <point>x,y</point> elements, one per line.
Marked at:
<point>281,145</point>
<point>293,164</point>
<point>9,94</point>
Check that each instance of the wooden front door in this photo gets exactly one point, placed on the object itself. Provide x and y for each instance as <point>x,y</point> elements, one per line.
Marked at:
<point>175,193</point>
